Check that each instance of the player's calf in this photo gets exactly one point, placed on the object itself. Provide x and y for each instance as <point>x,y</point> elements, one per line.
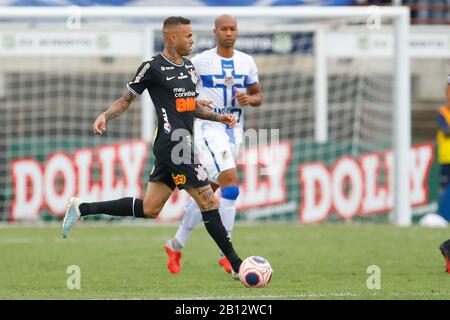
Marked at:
<point>208,204</point>
<point>217,231</point>
<point>122,208</point>
<point>227,209</point>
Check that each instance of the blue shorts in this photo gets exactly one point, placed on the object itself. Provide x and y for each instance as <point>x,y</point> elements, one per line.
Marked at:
<point>445,175</point>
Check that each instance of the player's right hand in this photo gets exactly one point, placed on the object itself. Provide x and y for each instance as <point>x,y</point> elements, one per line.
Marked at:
<point>228,119</point>
<point>99,125</point>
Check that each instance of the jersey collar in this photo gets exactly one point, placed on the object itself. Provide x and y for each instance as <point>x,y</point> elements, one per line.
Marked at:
<point>231,58</point>
<point>175,64</point>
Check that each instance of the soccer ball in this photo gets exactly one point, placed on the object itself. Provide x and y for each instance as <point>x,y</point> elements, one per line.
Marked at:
<point>255,272</point>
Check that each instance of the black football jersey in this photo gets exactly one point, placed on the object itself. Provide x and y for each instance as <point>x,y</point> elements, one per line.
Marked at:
<point>172,88</point>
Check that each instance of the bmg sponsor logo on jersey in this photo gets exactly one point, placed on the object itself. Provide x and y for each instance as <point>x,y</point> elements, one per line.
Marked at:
<point>185,104</point>
<point>167,126</point>
<point>184,100</point>
<point>179,179</point>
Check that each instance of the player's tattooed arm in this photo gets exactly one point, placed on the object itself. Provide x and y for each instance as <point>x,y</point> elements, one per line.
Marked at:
<point>117,108</point>
<point>120,105</point>
<point>202,113</point>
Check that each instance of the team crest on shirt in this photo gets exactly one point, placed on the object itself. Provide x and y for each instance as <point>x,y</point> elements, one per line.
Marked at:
<point>167,128</point>
<point>201,173</point>
<point>228,81</point>
<point>193,76</point>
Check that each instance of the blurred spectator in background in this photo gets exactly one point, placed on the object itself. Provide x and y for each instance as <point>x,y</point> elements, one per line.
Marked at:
<point>429,11</point>
<point>443,144</point>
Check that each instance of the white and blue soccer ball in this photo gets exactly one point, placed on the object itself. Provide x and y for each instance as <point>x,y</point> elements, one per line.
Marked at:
<point>255,272</point>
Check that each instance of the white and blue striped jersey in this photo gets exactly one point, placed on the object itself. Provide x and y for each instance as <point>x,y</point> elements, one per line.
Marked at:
<point>218,79</point>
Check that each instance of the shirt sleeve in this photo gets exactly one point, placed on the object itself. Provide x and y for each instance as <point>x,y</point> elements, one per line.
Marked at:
<point>253,74</point>
<point>141,81</point>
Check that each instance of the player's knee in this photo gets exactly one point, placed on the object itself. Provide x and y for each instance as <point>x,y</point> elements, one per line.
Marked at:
<point>230,192</point>
<point>228,178</point>
<point>151,211</point>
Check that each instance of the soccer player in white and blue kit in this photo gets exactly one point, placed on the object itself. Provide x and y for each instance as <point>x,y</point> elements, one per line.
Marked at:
<point>228,81</point>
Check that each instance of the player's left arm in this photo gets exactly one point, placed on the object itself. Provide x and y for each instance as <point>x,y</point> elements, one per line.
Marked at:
<point>202,112</point>
<point>253,97</point>
<point>253,94</point>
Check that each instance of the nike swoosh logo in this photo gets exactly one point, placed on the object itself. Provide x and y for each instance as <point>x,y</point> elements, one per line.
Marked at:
<point>169,78</point>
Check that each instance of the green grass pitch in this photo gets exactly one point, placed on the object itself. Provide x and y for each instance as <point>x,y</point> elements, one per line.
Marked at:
<point>310,262</point>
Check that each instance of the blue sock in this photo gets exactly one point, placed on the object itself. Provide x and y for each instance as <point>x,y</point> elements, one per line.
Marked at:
<point>444,204</point>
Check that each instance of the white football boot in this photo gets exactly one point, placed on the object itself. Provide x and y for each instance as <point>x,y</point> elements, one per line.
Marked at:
<point>72,215</point>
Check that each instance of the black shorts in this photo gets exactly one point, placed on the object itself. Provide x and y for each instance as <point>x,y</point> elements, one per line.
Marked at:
<point>183,175</point>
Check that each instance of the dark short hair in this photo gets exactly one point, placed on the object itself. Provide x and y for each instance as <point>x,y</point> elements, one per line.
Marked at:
<point>174,21</point>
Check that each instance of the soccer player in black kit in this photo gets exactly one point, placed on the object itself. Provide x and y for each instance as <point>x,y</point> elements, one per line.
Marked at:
<point>171,82</point>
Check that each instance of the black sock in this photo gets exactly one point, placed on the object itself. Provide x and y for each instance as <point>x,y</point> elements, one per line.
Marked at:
<point>122,207</point>
<point>217,231</point>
